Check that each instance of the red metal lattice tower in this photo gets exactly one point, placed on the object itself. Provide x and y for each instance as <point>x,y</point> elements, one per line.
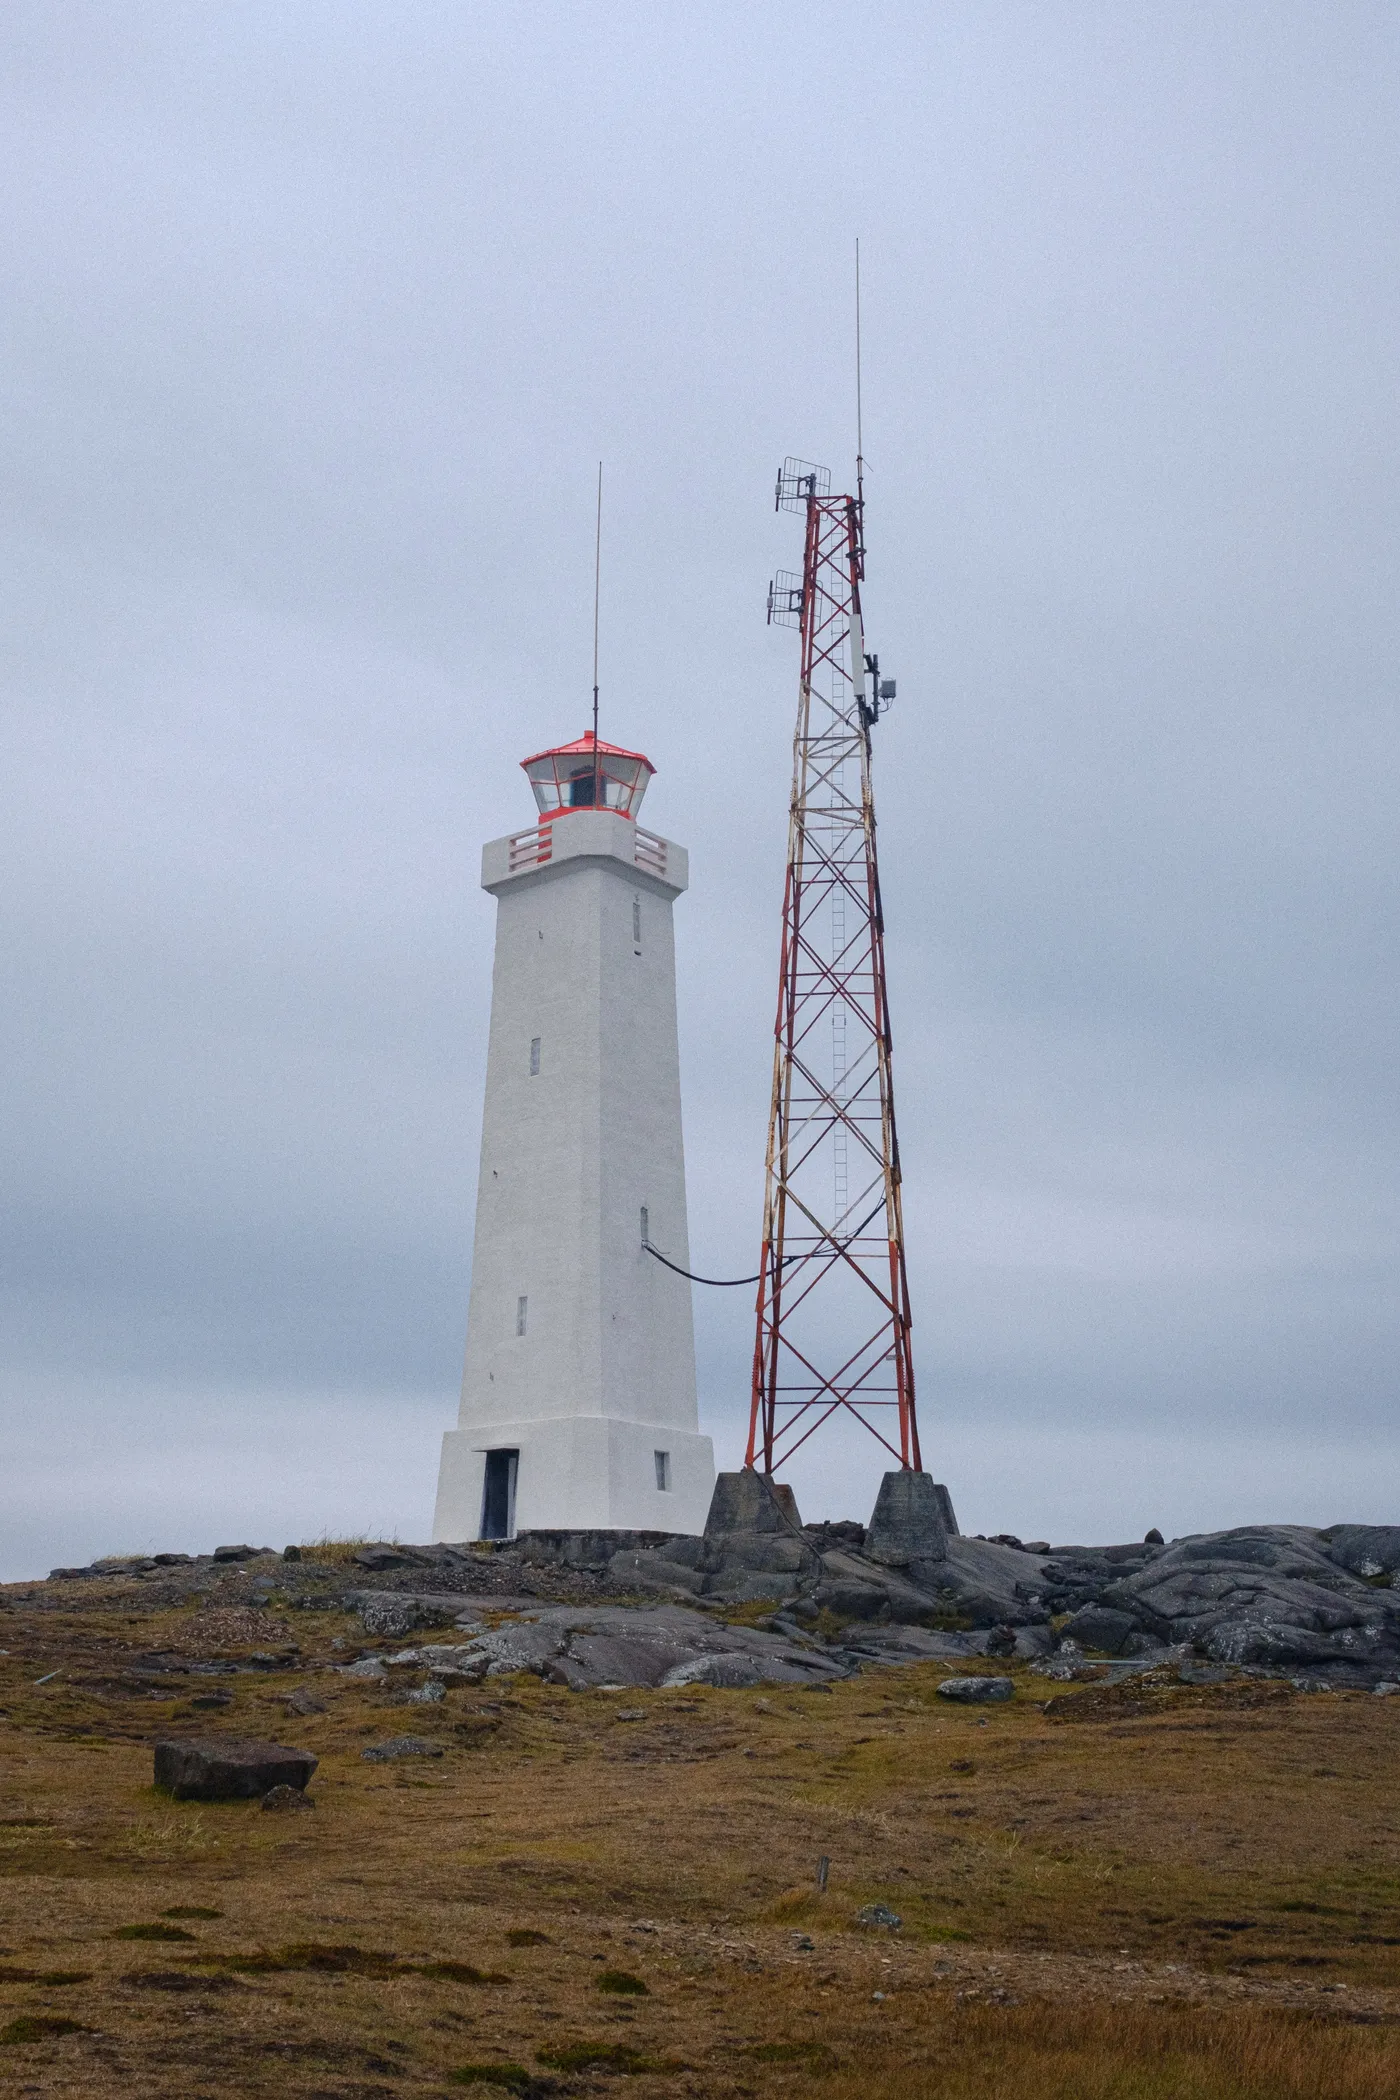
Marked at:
<point>833,1316</point>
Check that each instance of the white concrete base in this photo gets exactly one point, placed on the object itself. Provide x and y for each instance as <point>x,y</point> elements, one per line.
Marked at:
<point>578,1473</point>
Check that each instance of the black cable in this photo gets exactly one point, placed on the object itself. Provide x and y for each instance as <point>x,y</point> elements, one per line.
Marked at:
<point>720,1283</point>
<point>730,1283</point>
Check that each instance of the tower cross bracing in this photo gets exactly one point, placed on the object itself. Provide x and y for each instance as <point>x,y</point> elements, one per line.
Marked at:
<point>833,1321</point>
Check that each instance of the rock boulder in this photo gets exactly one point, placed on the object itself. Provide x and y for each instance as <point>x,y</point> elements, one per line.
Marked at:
<point>228,1768</point>
<point>1099,1627</point>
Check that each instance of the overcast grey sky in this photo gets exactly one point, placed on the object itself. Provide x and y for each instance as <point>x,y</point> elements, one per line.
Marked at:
<point>316,320</point>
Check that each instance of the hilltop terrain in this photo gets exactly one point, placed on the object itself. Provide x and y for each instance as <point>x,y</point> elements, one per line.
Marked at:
<point>1159,1868</point>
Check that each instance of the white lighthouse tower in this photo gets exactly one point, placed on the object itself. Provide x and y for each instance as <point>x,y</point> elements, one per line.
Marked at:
<point>578,1398</point>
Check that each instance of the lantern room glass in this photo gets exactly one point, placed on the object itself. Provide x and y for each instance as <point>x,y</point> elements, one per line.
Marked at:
<point>567,777</point>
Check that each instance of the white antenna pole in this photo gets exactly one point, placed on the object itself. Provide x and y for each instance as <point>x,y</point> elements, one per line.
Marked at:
<point>860,446</point>
<point>857,636</point>
<point>597,579</point>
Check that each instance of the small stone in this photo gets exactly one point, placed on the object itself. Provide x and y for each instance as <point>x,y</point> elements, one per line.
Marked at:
<point>378,1557</point>
<point>968,1689</point>
<point>401,1746</point>
<point>877,1997</point>
<point>235,1553</point>
<point>291,1553</point>
<point>282,1798</point>
<point>171,1560</point>
<point>1204,1673</point>
<point>304,1701</point>
<point>1384,1690</point>
<point>430,1694</point>
<point>630,1713</point>
<point>1153,1537</point>
<point>804,1943</point>
<point>391,1616</point>
<point>877,1917</point>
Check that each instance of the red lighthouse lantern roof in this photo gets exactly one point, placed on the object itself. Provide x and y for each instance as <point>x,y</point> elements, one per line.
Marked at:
<point>585,775</point>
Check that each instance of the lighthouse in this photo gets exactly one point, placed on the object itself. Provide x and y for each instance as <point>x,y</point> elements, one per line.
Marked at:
<point>578,1403</point>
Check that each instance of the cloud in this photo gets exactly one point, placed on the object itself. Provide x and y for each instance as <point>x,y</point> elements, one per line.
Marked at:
<point>319,323</point>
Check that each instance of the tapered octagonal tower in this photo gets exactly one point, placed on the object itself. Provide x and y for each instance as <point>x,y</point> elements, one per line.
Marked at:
<point>578,1398</point>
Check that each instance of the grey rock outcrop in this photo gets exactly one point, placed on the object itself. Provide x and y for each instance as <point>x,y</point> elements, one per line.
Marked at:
<point>1271,1599</point>
<point>1367,1550</point>
<point>909,1565</point>
<point>592,1551</point>
<point>662,1644</point>
<point>393,1613</point>
<point>1272,1596</point>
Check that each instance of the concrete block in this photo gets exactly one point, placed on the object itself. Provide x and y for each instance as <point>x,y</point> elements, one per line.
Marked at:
<point>908,1523</point>
<point>751,1501</point>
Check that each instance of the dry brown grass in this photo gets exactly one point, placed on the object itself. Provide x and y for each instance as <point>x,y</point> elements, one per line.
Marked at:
<point>1194,1897</point>
<point>1139,2052</point>
<point>337,1553</point>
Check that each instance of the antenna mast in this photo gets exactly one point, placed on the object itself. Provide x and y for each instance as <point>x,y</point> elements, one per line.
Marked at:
<point>860,446</point>
<point>832,1321</point>
<point>597,579</point>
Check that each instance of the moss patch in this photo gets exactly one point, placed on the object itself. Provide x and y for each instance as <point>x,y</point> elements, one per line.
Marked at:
<point>49,1976</point>
<point>459,1972</point>
<point>812,2056</point>
<point>621,1984</point>
<point>38,2027</point>
<point>602,2056</point>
